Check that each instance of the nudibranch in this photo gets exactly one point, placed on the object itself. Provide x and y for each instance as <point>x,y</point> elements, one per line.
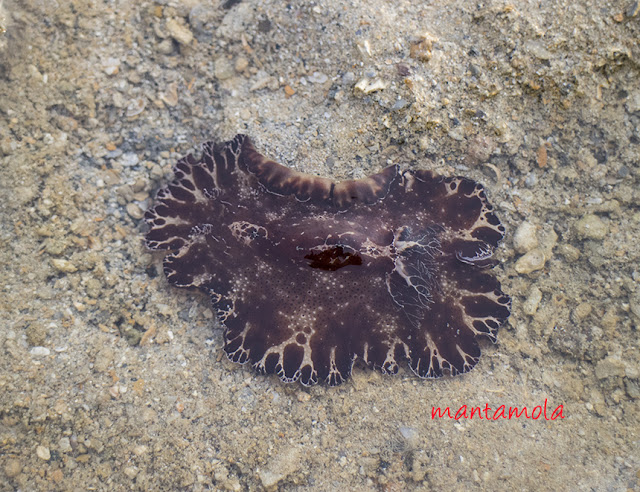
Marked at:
<point>308,274</point>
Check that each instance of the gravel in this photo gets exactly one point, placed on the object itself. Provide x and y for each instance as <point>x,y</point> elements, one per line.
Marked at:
<point>111,379</point>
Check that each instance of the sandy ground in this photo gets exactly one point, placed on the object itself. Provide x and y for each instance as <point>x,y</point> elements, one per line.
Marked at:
<point>112,380</point>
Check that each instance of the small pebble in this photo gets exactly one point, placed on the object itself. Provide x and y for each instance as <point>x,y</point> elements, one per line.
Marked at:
<point>409,434</point>
<point>317,78</point>
<point>530,306</point>
<point>525,237</point>
<point>581,311</point>
<point>634,305</point>
<point>337,95</point>
<point>241,64</point>
<point>64,266</point>
<point>104,359</point>
<point>531,180</point>
<point>119,100</point>
<point>633,389</point>
<point>348,78</point>
<point>64,444</point>
<point>479,150</point>
<point>370,73</point>
<point>542,156</point>
<point>281,466</point>
<point>364,47</point>
<point>531,261</point>
<point>610,320</point>
<point>43,453</point>
<point>165,46</point>
<point>179,31</point>
<point>129,159</point>
<point>140,449</point>
<point>139,185</point>
<point>624,171</point>
<point>57,476</point>
<point>456,133</point>
<point>111,66</point>
<point>12,468</point>
<point>632,371</point>
<point>421,50</point>
<point>610,367</point>
<point>36,334</point>
<point>570,253</point>
<point>538,50</point>
<point>367,86</point>
<point>590,226</point>
<point>304,397</point>
<point>202,17</point>
<point>135,211</point>
<point>135,107</point>
<point>399,104</point>
<point>263,79</point>
<point>222,68</point>
<point>113,154</point>
<point>40,351</point>
<point>236,21</point>
<point>633,103</point>
<point>170,95</point>
<point>476,476</point>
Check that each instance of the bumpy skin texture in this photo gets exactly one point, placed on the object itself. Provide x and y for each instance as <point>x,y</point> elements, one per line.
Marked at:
<point>308,274</point>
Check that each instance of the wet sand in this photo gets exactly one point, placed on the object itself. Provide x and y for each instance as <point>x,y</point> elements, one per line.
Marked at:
<point>110,379</point>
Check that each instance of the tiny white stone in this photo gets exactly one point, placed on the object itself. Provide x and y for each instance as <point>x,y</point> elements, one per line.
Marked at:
<point>525,238</point>
<point>40,351</point>
<point>63,265</point>
<point>367,86</point>
<point>318,78</point>
<point>129,159</point>
<point>178,31</point>
<point>64,444</point>
<point>531,261</point>
<point>530,306</point>
<point>43,453</point>
<point>111,66</point>
<point>591,226</point>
